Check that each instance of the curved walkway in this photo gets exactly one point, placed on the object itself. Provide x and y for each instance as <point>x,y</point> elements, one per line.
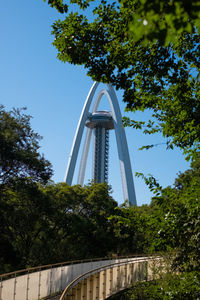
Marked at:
<point>101,283</point>
<point>41,282</point>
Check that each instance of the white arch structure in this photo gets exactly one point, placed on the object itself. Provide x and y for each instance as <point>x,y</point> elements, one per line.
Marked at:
<point>124,159</point>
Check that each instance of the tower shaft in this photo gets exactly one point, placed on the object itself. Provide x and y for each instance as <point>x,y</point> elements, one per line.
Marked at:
<point>100,154</point>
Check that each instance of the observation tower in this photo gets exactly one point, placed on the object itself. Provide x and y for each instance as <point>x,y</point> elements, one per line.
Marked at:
<point>100,123</point>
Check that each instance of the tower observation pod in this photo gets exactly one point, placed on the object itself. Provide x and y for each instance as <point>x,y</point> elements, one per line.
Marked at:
<point>99,123</point>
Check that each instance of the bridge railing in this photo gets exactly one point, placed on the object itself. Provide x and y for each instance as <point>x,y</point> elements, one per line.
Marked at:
<point>39,282</point>
<point>102,282</point>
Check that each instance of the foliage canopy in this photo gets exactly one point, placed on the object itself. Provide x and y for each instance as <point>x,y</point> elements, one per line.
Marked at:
<point>19,145</point>
<point>53,223</point>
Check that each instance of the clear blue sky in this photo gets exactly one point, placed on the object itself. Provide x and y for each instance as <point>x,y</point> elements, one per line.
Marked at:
<point>54,94</point>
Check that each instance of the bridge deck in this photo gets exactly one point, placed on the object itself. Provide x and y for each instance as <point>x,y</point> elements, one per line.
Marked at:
<point>39,282</point>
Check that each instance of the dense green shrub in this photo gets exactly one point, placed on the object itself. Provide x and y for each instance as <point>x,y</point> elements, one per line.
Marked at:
<point>171,287</point>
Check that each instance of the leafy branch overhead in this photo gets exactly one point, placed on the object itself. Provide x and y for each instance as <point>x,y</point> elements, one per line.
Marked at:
<point>149,49</point>
<point>62,7</point>
<point>164,20</point>
<point>151,182</point>
<point>152,20</point>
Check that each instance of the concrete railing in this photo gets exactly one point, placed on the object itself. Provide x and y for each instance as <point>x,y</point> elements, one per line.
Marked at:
<point>40,282</point>
<point>102,282</point>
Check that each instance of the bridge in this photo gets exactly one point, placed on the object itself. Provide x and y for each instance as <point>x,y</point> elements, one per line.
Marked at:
<point>86,279</point>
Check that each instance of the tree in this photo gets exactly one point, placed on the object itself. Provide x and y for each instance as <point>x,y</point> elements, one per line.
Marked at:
<point>24,215</point>
<point>81,219</point>
<point>154,76</point>
<point>164,20</point>
<point>182,286</point>
<point>53,223</point>
<point>131,228</point>
<point>19,145</point>
<point>42,222</point>
<point>22,204</point>
<point>171,223</point>
<point>178,221</point>
<point>152,19</point>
